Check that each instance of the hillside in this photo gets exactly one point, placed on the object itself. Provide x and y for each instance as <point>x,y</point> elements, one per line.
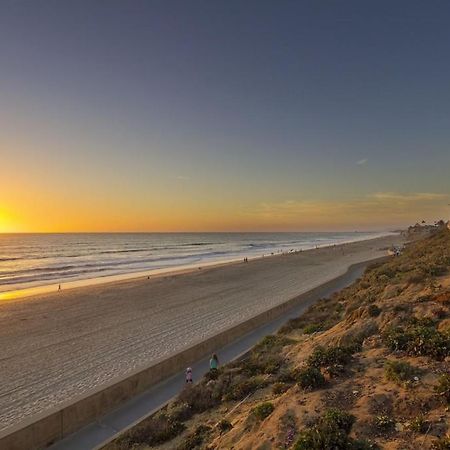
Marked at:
<point>368,368</point>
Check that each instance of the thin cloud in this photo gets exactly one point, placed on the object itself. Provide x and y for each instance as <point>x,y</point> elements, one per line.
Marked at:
<point>183,178</point>
<point>413,197</point>
<point>374,208</point>
<point>361,162</point>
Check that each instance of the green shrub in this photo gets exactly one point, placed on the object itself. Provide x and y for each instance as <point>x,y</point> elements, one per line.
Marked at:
<point>416,276</point>
<point>400,372</point>
<point>422,322</point>
<point>338,419</point>
<point>374,311</point>
<point>287,376</point>
<point>331,432</point>
<point>263,410</point>
<point>388,270</point>
<point>320,439</point>
<point>153,431</point>
<point>224,426</point>
<point>310,378</point>
<point>312,328</point>
<point>418,424</point>
<point>280,388</point>
<point>179,411</point>
<point>288,421</point>
<point>419,340</point>
<point>260,365</point>
<point>442,444</point>
<point>243,387</point>
<point>326,312</point>
<point>198,397</point>
<point>443,387</point>
<point>384,422</point>
<point>195,439</point>
<point>265,358</point>
<point>272,344</point>
<point>396,338</point>
<point>333,358</point>
<point>437,270</point>
<point>401,308</point>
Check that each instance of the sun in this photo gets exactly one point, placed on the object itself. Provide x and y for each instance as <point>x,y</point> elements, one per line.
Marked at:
<point>7,224</point>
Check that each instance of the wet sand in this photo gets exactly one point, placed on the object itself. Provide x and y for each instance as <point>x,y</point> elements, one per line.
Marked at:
<point>55,346</point>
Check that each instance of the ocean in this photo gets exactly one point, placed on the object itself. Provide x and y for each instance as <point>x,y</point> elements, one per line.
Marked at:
<point>30,260</point>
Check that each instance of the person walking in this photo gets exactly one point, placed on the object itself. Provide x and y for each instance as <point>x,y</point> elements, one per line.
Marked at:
<point>188,375</point>
<point>214,362</point>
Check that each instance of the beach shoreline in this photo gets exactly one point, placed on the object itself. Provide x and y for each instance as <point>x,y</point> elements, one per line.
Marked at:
<point>154,273</point>
<point>56,346</point>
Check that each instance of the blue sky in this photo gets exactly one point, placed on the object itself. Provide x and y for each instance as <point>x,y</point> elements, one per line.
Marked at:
<point>170,110</point>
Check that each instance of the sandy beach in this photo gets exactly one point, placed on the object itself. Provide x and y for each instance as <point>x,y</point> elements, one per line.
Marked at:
<point>55,346</point>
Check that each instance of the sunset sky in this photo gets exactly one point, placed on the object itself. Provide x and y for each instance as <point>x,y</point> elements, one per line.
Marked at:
<point>223,115</point>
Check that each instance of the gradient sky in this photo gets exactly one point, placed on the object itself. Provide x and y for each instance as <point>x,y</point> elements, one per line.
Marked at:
<point>223,115</point>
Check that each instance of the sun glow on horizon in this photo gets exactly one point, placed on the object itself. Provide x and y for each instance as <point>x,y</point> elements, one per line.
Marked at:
<point>377,211</point>
<point>6,226</point>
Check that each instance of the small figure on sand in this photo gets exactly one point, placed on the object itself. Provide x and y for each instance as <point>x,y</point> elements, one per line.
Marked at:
<point>59,287</point>
<point>188,375</point>
<point>213,362</point>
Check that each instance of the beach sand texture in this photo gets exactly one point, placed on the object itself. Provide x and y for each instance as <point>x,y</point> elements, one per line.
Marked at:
<point>54,347</point>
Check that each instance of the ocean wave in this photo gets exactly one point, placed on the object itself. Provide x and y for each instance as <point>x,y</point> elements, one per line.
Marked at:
<point>38,259</point>
<point>38,273</point>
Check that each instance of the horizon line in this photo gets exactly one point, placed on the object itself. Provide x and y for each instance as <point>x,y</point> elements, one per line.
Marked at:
<point>204,232</point>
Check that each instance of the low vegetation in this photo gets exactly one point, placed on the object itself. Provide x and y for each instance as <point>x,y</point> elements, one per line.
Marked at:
<point>419,340</point>
<point>442,444</point>
<point>400,372</point>
<point>310,378</point>
<point>156,430</point>
<point>443,387</point>
<point>331,432</point>
<point>374,311</point>
<point>313,328</point>
<point>336,356</point>
<point>196,439</point>
<point>419,424</point>
<point>224,426</point>
<point>384,422</point>
<point>263,410</point>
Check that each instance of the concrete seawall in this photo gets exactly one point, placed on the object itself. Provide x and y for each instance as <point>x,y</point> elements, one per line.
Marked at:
<point>40,431</point>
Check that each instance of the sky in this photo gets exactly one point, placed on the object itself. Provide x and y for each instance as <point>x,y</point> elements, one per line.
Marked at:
<point>223,115</point>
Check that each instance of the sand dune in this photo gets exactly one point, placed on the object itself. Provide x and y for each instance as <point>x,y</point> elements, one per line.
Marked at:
<point>55,346</point>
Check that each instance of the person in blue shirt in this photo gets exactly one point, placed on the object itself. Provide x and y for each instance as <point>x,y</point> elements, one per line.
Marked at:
<point>214,362</point>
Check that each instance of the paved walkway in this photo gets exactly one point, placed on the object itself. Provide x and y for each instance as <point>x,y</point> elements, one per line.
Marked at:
<point>95,435</point>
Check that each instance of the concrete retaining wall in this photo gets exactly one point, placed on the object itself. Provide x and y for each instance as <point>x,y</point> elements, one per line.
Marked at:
<point>40,431</point>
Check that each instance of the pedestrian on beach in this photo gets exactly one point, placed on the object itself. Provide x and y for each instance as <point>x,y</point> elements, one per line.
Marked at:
<point>188,375</point>
<point>213,362</point>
